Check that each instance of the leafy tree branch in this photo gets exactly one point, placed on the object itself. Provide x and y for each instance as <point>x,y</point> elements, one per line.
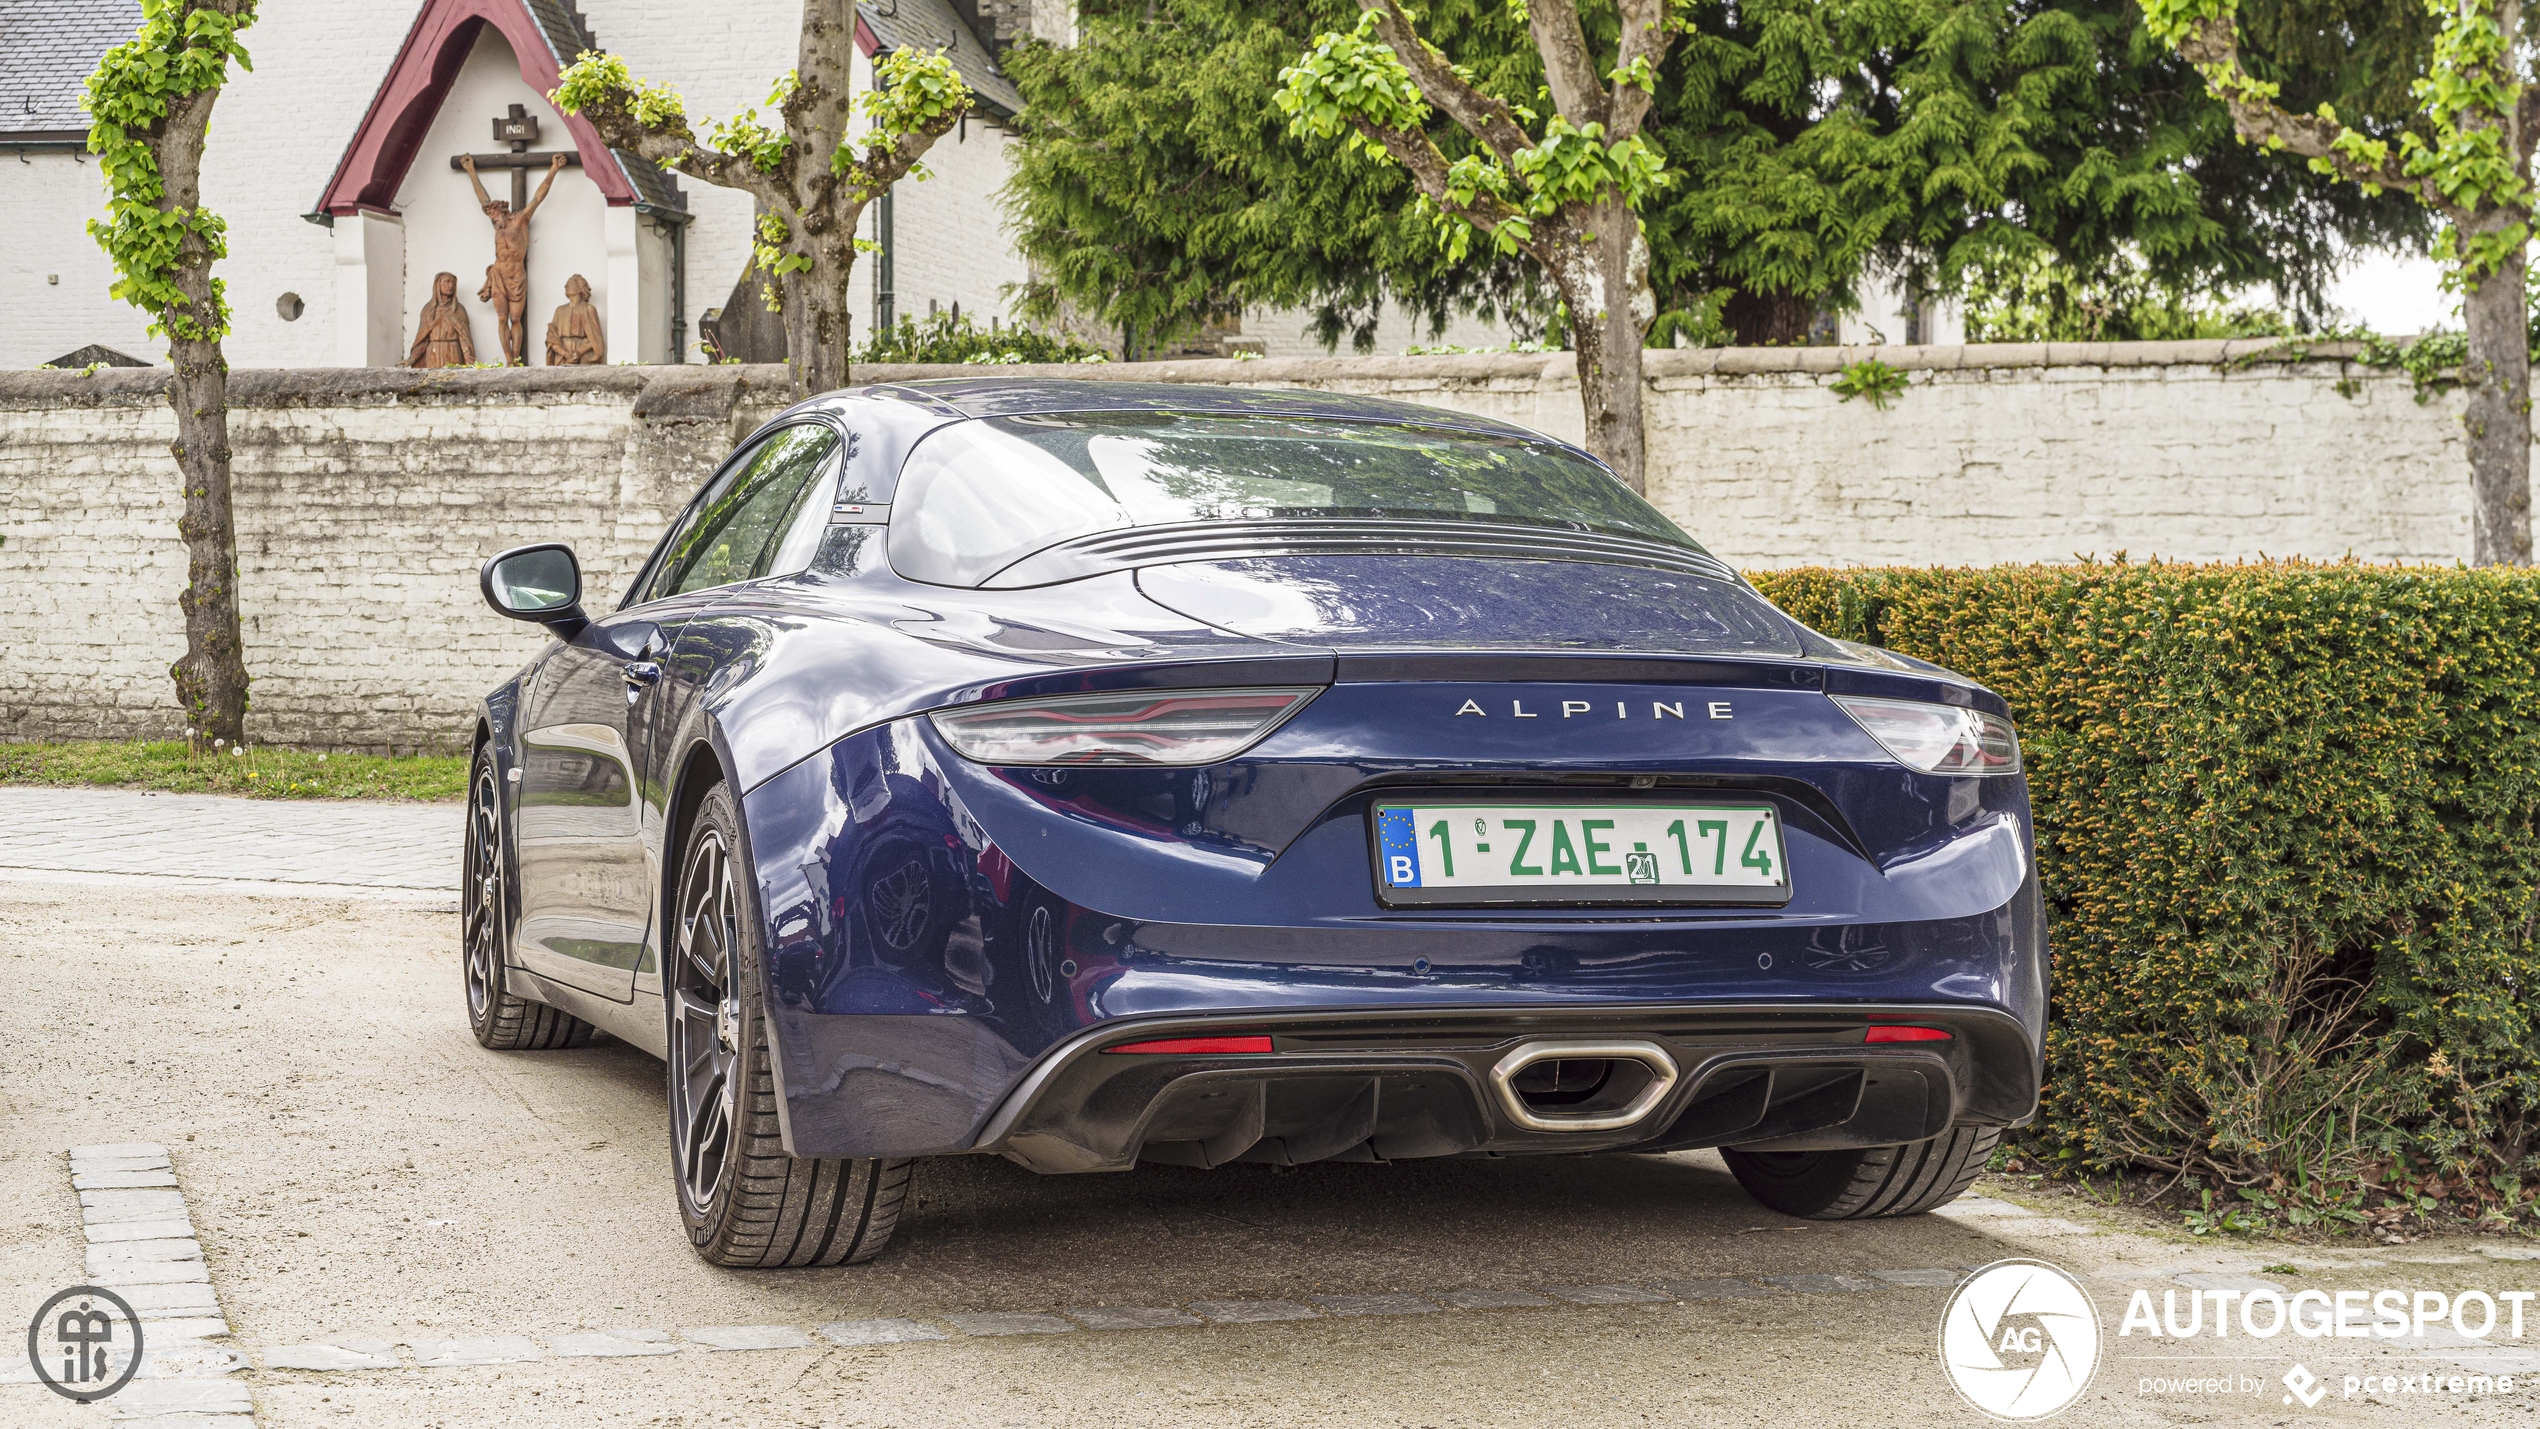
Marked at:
<point>1567,196</point>
<point>811,172</point>
<point>2470,162</point>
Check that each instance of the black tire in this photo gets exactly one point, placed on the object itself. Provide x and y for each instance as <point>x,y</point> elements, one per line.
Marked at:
<point>1876,1181</point>
<point>499,1019</point>
<point>745,1202</point>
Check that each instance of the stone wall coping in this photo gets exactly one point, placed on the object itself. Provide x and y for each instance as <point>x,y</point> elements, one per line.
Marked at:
<point>1657,362</point>
<point>673,390</point>
<point>697,391</point>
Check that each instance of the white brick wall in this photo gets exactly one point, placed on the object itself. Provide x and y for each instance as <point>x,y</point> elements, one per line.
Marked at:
<point>2045,464</point>
<point>362,519</point>
<point>53,276</point>
<point>1992,455</point>
<point>947,244</point>
<point>364,510</point>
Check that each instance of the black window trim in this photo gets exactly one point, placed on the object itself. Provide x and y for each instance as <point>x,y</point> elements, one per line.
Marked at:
<point>741,453</point>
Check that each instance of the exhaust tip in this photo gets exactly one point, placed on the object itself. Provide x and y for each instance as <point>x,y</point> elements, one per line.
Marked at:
<point>1582,1085</point>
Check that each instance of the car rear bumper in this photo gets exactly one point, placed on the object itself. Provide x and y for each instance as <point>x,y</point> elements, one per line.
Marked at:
<point>947,949</point>
<point>1381,1086</point>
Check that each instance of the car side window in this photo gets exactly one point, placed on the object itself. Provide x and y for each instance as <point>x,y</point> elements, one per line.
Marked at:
<point>662,571</point>
<point>734,533</point>
<point>800,539</point>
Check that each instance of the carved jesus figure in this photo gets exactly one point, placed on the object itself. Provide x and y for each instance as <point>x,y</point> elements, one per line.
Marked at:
<point>574,338</point>
<point>507,277</point>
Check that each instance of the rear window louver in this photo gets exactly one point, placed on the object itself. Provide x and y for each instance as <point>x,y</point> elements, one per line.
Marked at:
<point>1129,548</point>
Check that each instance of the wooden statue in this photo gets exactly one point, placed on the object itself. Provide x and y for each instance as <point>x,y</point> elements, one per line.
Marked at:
<point>441,332</point>
<point>507,277</point>
<point>574,338</point>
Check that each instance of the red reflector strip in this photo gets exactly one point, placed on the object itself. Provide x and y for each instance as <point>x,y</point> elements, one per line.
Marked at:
<point>1906,1034</point>
<point>1189,1045</point>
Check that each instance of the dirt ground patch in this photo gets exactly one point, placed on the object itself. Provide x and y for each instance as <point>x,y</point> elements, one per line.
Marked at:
<point>358,1167</point>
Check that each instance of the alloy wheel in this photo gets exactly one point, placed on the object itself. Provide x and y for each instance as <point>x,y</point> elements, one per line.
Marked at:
<point>481,892</point>
<point>705,1021</point>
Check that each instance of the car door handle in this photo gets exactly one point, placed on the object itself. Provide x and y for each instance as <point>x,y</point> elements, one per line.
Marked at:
<point>641,675</point>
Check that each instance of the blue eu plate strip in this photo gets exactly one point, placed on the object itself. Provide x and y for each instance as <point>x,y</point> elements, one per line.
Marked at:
<point>1398,843</point>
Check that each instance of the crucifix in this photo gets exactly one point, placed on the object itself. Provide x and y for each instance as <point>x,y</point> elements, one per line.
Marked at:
<point>519,129</point>
<point>507,277</point>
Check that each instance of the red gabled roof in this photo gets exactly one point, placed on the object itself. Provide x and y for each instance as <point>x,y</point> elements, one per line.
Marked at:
<point>544,34</point>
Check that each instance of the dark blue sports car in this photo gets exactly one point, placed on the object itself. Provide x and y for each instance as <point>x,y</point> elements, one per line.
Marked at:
<point>1089,773</point>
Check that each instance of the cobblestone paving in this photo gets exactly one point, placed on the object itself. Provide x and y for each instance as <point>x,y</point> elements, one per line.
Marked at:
<point>293,841</point>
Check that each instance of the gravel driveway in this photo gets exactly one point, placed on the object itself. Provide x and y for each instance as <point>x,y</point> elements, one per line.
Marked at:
<point>462,1237</point>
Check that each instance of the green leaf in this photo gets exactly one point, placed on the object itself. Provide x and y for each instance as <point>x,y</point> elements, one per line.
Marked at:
<point>177,51</point>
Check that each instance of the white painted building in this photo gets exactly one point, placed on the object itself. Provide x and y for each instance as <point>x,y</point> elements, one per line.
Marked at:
<point>1886,315</point>
<point>331,163</point>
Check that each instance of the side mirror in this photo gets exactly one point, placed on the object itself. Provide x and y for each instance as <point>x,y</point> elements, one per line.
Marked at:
<point>541,583</point>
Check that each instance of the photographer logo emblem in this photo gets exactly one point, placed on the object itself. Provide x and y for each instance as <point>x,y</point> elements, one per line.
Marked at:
<point>2306,1386</point>
<point>85,1343</point>
<point>2020,1340</point>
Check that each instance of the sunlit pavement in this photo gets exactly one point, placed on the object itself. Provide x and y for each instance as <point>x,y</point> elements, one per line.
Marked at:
<point>396,1226</point>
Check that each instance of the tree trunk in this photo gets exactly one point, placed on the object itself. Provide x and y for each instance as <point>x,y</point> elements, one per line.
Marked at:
<point>211,678</point>
<point>818,189</point>
<point>2497,419</point>
<point>1603,274</point>
<point>818,328</point>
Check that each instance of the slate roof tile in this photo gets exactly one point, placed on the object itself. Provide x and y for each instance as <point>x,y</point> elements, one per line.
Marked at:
<point>48,48</point>
<point>934,25</point>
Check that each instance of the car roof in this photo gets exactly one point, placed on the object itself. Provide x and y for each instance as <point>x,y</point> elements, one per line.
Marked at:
<point>956,398</point>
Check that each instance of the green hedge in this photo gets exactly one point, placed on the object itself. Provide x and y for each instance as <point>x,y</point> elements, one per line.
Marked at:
<point>2285,824</point>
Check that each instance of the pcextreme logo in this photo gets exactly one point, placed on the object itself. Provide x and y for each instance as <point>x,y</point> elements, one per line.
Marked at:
<point>2019,1340</point>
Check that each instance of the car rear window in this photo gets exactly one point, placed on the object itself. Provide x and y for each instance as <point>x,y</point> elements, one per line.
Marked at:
<point>977,496</point>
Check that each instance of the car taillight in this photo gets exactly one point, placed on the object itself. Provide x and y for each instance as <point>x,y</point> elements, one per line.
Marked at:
<point>1248,1044</point>
<point>1937,739</point>
<point>1124,727</point>
<point>1906,1034</point>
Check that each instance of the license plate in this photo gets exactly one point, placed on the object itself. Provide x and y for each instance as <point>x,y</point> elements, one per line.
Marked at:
<point>1441,852</point>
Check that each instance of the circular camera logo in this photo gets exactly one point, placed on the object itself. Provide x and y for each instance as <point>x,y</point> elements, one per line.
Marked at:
<point>2020,1339</point>
<point>81,1351</point>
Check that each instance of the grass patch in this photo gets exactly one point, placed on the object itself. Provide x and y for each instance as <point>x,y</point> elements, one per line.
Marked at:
<point>259,773</point>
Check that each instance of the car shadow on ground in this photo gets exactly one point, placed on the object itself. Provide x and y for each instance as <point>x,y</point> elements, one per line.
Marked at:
<point>982,1232</point>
